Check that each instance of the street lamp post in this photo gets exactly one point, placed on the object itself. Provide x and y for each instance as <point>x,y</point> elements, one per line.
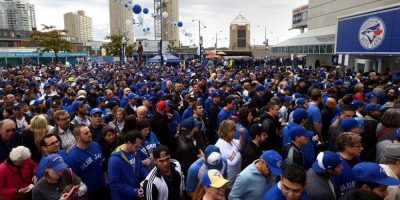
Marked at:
<point>163,14</point>
<point>200,38</point>
<point>123,43</point>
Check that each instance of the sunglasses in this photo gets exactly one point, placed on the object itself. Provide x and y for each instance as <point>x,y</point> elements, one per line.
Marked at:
<point>11,130</point>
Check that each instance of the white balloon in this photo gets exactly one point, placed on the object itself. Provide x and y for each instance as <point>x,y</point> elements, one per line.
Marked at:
<point>165,15</point>
<point>189,35</point>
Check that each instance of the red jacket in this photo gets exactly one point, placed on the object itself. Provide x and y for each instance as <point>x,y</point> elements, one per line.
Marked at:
<point>13,177</point>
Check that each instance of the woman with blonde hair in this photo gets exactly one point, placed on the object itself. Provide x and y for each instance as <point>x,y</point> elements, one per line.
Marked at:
<point>37,128</point>
<point>230,147</point>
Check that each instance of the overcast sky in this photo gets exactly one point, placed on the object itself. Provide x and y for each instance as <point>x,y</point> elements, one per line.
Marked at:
<point>215,14</point>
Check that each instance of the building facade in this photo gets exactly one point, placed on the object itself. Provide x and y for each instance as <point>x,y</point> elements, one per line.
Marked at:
<point>78,25</point>
<point>121,20</point>
<point>240,34</point>
<point>167,28</point>
<point>17,15</point>
<point>319,42</point>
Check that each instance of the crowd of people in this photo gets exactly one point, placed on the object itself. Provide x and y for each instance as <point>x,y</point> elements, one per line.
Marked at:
<point>117,131</point>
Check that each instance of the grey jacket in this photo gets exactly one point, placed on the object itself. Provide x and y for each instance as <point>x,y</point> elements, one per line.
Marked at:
<point>318,188</point>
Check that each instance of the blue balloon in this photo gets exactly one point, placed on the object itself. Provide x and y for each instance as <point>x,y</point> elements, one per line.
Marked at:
<point>144,30</point>
<point>148,28</point>
<point>126,5</point>
<point>180,24</point>
<point>137,9</point>
<point>145,10</point>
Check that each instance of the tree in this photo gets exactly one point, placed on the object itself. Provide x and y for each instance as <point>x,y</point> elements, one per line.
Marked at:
<point>114,46</point>
<point>51,39</point>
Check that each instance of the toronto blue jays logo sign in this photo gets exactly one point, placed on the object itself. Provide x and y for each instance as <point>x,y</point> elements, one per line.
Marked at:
<point>372,32</point>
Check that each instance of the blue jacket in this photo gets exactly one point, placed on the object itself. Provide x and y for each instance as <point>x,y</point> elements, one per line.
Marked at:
<point>42,165</point>
<point>125,171</point>
<point>148,145</point>
<point>87,164</point>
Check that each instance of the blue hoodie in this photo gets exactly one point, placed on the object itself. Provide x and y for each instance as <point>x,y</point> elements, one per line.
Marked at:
<point>125,171</point>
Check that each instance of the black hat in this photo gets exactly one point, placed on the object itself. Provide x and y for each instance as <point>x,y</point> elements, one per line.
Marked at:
<point>160,151</point>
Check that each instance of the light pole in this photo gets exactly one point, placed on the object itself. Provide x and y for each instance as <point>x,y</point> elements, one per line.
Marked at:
<point>123,43</point>
<point>200,38</point>
<point>216,40</point>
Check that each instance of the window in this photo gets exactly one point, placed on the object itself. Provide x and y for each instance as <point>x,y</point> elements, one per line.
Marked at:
<point>322,49</point>
<point>241,42</point>
<point>310,49</point>
<point>329,48</point>
<point>316,49</point>
<point>241,33</point>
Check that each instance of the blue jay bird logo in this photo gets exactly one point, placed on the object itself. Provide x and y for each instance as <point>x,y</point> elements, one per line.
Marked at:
<point>372,33</point>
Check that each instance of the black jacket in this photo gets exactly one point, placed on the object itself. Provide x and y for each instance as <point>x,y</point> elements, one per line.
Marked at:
<point>251,153</point>
<point>159,125</point>
<point>186,153</point>
<point>272,126</point>
<point>213,111</point>
<point>318,187</point>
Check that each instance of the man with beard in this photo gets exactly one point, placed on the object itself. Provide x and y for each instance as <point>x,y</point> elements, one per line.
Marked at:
<point>86,160</point>
<point>166,180</point>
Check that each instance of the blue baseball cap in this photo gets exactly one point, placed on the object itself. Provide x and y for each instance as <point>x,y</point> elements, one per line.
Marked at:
<point>299,131</point>
<point>357,103</point>
<point>101,99</point>
<point>147,97</point>
<point>370,95</point>
<point>169,102</point>
<point>326,160</point>
<point>189,124</point>
<point>94,111</point>
<point>287,99</point>
<point>300,101</point>
<point>369,172</point>
<point>372,107</point>
<point>299,114</point>
<point>76,105</point>
<point>55,162</point>
<point>260,88</point>
<point>274,161</point>
<point>131,96</point>
<point>213,158</point>
<point>349,123</point>
<point>215,94</point>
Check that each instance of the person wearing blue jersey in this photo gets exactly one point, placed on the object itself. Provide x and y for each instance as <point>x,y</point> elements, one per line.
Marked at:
<point>291,186</point>
<point>150,142</point>
<point>319,185</point>
<point>314,114</point>
<point>349,149</point>
<point>86,160</point>
<point>125,170</point>
<point>212,160</point>
<point>245,118</point>
<point>226,111</point>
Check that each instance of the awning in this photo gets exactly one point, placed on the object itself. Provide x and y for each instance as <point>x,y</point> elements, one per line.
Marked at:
<point>325,35</point>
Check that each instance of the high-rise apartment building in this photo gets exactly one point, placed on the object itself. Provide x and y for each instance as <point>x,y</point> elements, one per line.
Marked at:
<point>170,30</point>
<point>17,15</point>
<point>78,25</point>
<point>121,20</point>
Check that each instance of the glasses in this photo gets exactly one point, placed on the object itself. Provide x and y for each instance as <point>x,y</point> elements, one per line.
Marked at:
<point>11,130</point>
<point>53,143</point>
<point>357,146</point>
